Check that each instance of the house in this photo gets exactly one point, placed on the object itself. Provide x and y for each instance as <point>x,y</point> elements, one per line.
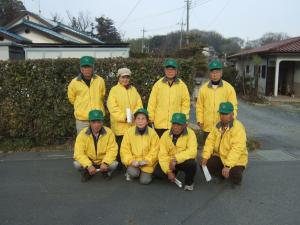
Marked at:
<point>30,36</point>
<point>278,69</point>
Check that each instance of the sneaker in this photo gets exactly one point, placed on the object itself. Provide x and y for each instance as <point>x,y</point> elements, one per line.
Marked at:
<point>127,176</point>
<point>85,176</point>
<point>189,187</point>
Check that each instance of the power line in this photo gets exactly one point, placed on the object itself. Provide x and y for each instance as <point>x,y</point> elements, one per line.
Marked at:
<point>217,16</point>
<point>129,14</point>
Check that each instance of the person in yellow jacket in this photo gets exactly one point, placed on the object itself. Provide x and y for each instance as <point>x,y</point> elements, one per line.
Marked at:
<point>140,148</point>
<point>178,151</point>
<point>225,153</point>
<point>95,148</point>
<point>123,101</point>
<point>169,95</point>
<point>210,95</point>
<point>86,92</point>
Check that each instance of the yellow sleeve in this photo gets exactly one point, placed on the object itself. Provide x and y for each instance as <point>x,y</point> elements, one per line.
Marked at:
<point>208,148</point>
<point>152,103</point>
<point>186,102</point>
<point>71,93</point>
<point>111,150</point>
<point>125,150</point>
<point>238,146</point>
<point>79,151</point>
<point>139,103</point>
<point>200,106</point>
<point>163,155</point>
<point>115,111</point>
<point>103,90</point>
<point>191,149</point>
<point>232,98</point>
<point>152,155</point>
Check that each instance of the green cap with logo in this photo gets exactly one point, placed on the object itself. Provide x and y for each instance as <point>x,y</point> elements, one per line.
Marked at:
<point>143,111</point>
<point>179,118</point>
<point>96,114</point>
<point>215,65</point>
<point>170,63</point>
<point>87,61</point>
<point>225,108</point>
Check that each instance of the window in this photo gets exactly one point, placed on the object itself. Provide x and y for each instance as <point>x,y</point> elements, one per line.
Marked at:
<point>247,69</point>
<point>263,72</point>
<point>1,38</point>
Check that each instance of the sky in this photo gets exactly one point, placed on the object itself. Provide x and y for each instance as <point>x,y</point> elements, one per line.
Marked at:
<point>247,19</point>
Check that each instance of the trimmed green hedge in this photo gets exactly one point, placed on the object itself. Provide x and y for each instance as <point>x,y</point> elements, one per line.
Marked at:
<point>33,94</point>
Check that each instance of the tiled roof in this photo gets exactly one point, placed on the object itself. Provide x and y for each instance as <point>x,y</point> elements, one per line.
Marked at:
<point>291,45</point>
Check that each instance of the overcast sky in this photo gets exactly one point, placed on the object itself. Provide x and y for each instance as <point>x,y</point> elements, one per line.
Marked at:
<point>247,19</point>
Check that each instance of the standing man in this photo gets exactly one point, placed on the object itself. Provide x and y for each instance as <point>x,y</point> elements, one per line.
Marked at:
<point>95,148</point>
<point>225,152</point>
<point>169,95</point>
<point>211,94</point>
<point>86,92</point>
<point>178,151</point>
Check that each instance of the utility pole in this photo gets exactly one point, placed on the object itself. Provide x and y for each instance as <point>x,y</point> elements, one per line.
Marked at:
<point>143,39</point>
<point>181,32</point>
<point>188,4</point>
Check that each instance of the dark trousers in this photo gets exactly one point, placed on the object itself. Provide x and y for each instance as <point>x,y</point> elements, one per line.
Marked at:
<point>189,168</point>
<point>215,166</point>
<point>160,132</point>
<point>205,135</point>
<point>119,141</point>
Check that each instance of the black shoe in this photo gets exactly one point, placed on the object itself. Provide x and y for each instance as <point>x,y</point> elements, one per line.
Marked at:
<point>85,176</point>
<point>107,176</point>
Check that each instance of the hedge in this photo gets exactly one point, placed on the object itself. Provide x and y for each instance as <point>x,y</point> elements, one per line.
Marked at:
<point>34,108</point>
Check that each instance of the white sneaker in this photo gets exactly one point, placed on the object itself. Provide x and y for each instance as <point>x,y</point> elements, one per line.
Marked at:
<point>128,178</point>
<point>189,187</point>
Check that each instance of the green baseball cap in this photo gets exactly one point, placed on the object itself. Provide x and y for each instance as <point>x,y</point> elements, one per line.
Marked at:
<point>225,107</point>
<point>87,61</point>
<point>179,118</point>
<point>170,63</point>
<point>143,111</point>
<point>215,65</point>
<point>96,114</point>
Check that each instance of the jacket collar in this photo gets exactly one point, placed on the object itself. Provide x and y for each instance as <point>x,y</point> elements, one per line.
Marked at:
<point>210,84</point>
<point>230,124</point>
<point>165,80</point>
<point>138,133</point>
<point>129,86</point>
<point>80,76</point>
<point>101,132</point>
<point>184,132</point>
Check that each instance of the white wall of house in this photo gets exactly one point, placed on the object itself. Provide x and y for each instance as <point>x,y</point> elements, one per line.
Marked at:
<point>53,53</point>
<point>4,52</point>
<point>35,37</point>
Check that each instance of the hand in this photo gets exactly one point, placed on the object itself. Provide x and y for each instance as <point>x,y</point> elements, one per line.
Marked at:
<point>135,163</point>
<point>171,176</point>
<point>103,167</point>
<point>203,162</point>
<point>172,164</point>
<point>92,170</point>
<point>200,125</point>
<point>143,163</point>
<point>225,172</point>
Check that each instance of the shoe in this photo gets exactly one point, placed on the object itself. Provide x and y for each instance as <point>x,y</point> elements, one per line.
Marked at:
<point>189,187</point>
<point>127,176</point>
<point>106,176</point>
<point>85,176</point>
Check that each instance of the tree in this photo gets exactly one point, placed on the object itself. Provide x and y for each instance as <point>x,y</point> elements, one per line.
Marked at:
<point>272,37</point>
<point>106,31</point>
<point>9,9</point>
<point>82,22</point>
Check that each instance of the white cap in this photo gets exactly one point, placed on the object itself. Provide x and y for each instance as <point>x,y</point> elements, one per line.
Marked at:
<point>123,72</point>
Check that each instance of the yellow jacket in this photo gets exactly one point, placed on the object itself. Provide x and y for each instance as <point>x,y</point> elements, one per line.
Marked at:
<point>230,147</point>
<point>86,98</point>
<point>140,147</point>
<point>186,148</point>
<point>119,99</point>
<point>209,100</point>
<point>85,152</point>
<point>165,100</point>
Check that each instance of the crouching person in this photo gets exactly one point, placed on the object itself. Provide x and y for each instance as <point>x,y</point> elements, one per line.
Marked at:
<point>95,148</point>
<point>139,149</point>
<point>178,150</point>
<point>225,153</point>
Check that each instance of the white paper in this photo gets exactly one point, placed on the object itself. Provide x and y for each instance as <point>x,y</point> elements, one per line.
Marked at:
<point>128,115</point>
<point>206,173</point>
<point>178,183</point>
